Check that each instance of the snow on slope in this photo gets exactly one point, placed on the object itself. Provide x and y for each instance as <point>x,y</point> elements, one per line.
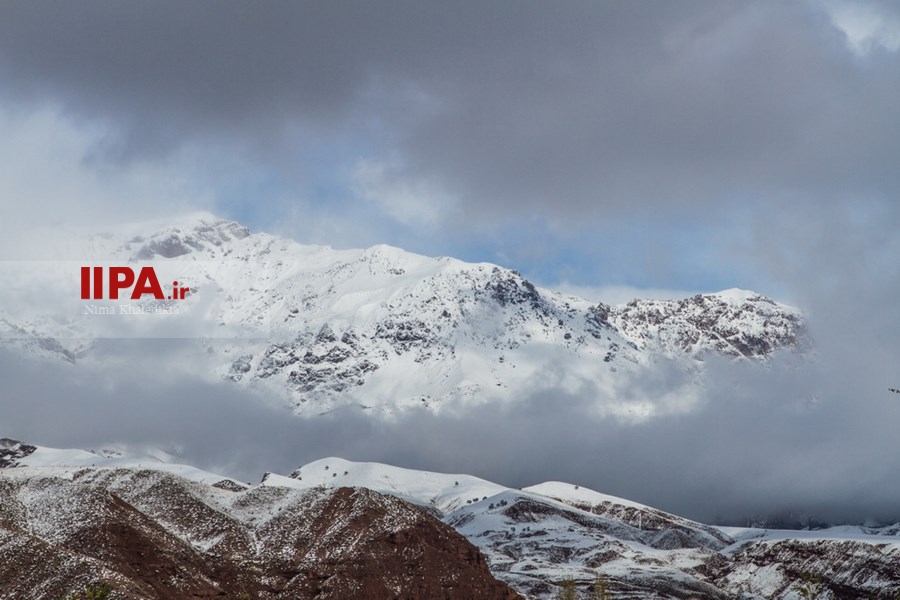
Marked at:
<point>66,462</point>
<point>440,491</point>
<point>577,495</point>
<point>533,538</point>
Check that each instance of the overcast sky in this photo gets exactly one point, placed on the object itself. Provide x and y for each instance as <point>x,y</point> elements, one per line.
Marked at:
<point>590,143</point>
<point>596,145</point>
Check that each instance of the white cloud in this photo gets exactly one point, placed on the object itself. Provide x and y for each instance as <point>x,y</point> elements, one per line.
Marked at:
<point>412,201</point>
<point>48,180</point>
<point>866,25</point>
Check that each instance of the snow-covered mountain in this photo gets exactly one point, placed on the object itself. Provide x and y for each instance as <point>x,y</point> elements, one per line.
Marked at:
<point>382,328</point>
<point>153,529</point>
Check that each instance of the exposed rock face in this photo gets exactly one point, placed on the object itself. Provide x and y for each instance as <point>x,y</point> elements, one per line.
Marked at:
<point>12,451</point>
<point>842,569</point>
<point>648,554</point>
<point>157,535</point>
<point>734,323</point>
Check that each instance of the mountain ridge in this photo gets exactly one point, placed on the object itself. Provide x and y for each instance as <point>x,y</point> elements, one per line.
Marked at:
<point>386,330</point>
<point>534,539</point>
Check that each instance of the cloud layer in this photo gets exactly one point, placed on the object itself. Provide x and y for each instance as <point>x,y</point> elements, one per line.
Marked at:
<point>589,109</point>
<point>795,436</point>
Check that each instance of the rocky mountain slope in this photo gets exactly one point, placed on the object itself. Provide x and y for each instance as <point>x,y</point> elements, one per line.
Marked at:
<point>383,329</point>
<point>340,529</point>
<point>537,537</point>
<point>153,532</point>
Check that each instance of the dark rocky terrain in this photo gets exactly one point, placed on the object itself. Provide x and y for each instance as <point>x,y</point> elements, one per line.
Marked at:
<point>155,535</point>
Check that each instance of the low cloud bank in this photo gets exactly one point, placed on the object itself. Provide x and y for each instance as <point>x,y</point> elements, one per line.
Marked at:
<point>796,436</point>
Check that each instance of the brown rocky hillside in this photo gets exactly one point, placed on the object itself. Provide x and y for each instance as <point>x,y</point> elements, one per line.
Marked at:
<point>154,535</point>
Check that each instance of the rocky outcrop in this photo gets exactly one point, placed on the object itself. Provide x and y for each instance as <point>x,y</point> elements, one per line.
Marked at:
<point>11,451</point>
<point>536,544</point>
<point>733,323</point>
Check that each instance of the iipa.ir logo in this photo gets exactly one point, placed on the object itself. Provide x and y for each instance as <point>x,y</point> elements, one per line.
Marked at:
<point>122,278</point>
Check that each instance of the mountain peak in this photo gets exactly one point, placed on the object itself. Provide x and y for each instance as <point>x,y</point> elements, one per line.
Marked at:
<point>735,295</point>
<point>734,322</point>
<point>196,232</point>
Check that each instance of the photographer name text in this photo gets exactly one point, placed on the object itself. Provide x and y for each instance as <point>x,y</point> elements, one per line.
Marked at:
<point>129,309</point>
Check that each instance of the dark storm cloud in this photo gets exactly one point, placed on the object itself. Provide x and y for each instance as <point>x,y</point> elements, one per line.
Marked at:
<point>586,106</point>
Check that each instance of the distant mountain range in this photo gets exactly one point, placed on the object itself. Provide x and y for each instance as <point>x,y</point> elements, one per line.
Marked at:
<point>382,329</point>
<point>339,529</point>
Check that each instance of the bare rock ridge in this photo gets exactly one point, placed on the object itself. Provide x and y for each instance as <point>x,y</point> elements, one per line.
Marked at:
<point>328,328</point>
